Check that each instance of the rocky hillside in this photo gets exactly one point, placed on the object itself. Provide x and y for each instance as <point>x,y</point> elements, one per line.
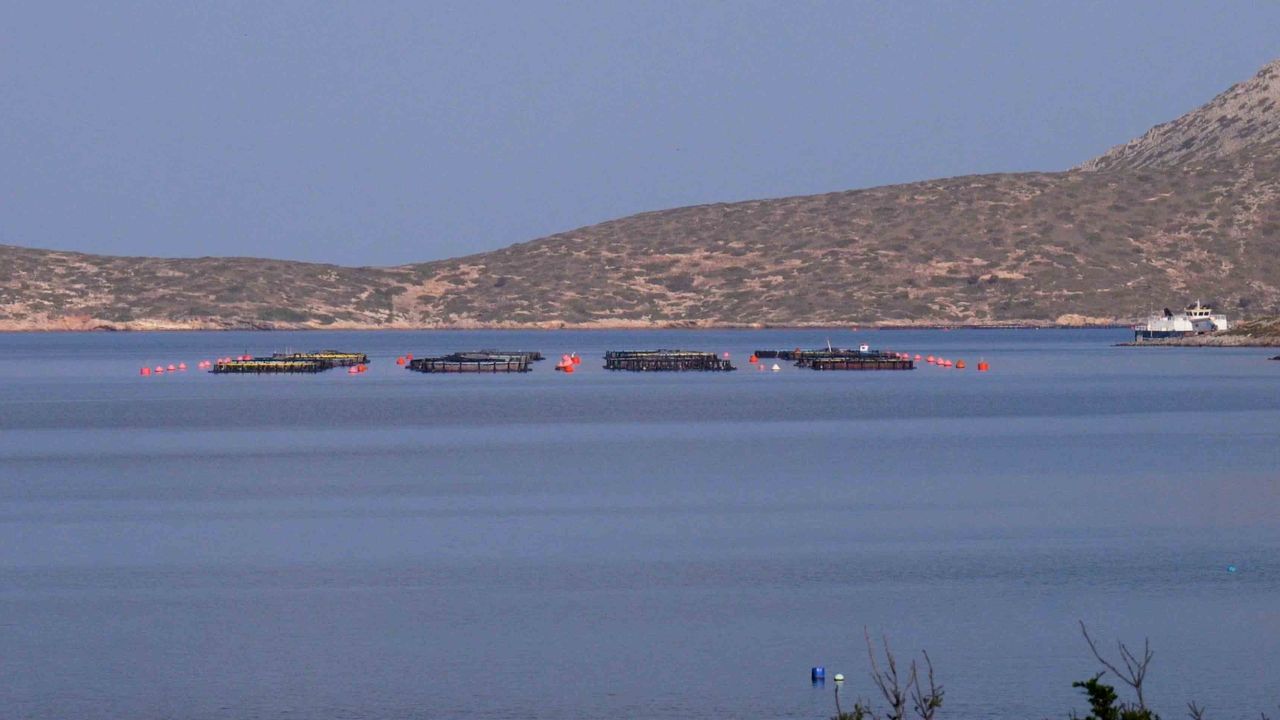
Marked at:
<point>1242,117</point>
<point>1190,210</point>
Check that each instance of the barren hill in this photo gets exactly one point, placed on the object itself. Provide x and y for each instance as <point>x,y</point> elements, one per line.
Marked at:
<point>1151,223</point>
<point>1244,116</point>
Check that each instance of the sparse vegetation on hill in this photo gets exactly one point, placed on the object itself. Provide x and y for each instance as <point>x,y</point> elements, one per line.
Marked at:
<point>1190,210</point>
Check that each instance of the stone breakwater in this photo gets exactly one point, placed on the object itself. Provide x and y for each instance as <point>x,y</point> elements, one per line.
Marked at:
<point>1210,341</point>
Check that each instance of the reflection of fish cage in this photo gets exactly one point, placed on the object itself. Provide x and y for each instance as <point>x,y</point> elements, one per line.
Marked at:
<point>471,363</point>
<point>853,360</point>
<point>262,366</point>
<point>664,361</point>
<point>329,358</point>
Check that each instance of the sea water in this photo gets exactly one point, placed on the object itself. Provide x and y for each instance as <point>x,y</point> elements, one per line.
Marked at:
<point>630,545</point>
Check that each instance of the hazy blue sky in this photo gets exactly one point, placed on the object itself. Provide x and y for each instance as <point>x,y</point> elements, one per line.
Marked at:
<point>381,132</point>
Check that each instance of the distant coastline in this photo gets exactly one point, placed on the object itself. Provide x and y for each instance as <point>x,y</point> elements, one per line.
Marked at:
<point>145,327</point>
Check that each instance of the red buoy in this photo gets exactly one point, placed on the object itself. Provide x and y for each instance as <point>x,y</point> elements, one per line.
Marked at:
<point>182,366</point>
<point>576,360</point>
<point>145,372</point>
<point>983,366</point>
<point>917,357</point>
<point>959,364</point>
<point>408,357</point>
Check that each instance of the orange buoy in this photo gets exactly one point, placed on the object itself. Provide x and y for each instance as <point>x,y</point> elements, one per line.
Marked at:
<point>400,360</point>
<point>753,359</point>
<point>362,367</point>
<point>408,357</point>
<point>917,357</point>
<point>568,369</point>
<point>983,366</point>
<point>932,359</point>
<point>959,364</point>
<point>576,360</point>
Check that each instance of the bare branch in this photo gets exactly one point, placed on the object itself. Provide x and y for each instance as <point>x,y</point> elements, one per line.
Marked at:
<point>1135,669</point>
<point>1195,712</point>
<point>925,703</point>
<point>888,681</point>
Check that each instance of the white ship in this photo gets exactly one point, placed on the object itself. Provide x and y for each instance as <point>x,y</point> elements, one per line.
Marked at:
<point>1195,320</point>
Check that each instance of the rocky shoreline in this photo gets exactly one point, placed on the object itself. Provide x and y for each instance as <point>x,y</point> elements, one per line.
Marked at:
<point>1208,341</point>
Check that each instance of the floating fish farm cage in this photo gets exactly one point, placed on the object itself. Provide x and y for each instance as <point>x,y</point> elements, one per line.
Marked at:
<point>261,366</point>
<point>854,360</point>
<point>332,358</point>
<point>473,362</point>
<point>664,361</point>
<point>840,359</point>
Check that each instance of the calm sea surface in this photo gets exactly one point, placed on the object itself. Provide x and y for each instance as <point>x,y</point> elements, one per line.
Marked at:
<point>615,545</point>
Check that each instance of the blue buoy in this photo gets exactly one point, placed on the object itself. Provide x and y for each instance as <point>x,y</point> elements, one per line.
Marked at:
<point>818,673</point>
<point>1231,568</point>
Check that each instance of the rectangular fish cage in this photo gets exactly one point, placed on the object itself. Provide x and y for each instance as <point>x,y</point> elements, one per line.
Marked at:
<point>331,358</point>
<point>261,366</point>
<point>796,354</point>
<point>664,361</point>
<point>464,363</point>
<point>854,361</point>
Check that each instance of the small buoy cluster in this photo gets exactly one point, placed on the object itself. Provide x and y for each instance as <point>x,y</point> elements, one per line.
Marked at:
<point>357,369</point>
<point>755,361</point>
<point>568,363</point>
<point>983,365</point>
<point>818,675</point>
<point>170,368</point>
<point>404,359</point>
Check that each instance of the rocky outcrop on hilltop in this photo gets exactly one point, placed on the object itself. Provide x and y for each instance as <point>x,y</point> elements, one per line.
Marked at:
<point>1245,116</point>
